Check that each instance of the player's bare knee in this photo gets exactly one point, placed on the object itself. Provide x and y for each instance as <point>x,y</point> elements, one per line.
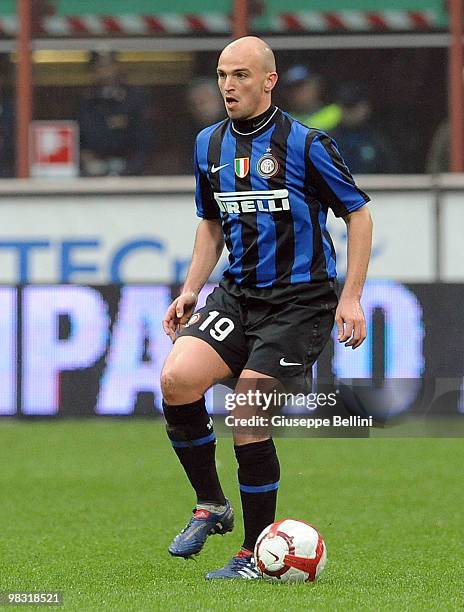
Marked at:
<point>168,384</point>
<point>172,386</point>
<point>177,386</point>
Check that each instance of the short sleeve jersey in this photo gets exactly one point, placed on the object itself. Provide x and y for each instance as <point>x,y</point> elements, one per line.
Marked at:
<point>272,190</point>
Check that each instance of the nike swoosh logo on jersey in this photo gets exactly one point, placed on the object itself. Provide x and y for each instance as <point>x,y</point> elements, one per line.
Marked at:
<point>287,363</point>
<point>215,169</point>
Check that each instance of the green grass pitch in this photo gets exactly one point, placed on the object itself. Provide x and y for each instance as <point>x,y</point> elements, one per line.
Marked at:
<point>89,507</point>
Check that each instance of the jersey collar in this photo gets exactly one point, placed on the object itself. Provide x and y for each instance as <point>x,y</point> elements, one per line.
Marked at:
<point>259,124</point>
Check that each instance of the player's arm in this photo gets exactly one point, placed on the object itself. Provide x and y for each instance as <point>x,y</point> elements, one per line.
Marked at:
<point>209,243</point>
<point>349,317</point>
<point>338,190</point>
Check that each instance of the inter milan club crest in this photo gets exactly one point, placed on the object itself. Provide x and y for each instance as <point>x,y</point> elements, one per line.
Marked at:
<point>242,166</point>
<point>267,165</point>
<point>193,319</point>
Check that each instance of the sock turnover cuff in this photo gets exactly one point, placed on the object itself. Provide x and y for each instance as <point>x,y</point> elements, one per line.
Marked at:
<point>259,488</point>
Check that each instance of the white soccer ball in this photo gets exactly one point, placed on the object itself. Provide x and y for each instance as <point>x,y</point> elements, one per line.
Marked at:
<point>290,551</point>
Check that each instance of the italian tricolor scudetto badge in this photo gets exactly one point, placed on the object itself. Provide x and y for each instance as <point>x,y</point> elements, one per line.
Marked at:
<point>242,166</point>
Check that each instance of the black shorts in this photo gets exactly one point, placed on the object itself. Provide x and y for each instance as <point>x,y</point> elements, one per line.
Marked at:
<point>278,332</point>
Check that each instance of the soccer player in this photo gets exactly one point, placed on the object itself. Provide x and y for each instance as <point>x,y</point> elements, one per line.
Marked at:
<point>264,184</point>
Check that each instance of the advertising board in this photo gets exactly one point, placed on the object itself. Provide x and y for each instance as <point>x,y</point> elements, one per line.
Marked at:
<point>99,350</point>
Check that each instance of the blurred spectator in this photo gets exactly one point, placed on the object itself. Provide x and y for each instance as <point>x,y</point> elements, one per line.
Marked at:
<point>438,158</point>
<point>7,125</point>
<point>41,9</point>
<point>114,121</point>
<point>204,107</point>
<point>363,147</point>
<point>306,93</point>
<point>205,104</point>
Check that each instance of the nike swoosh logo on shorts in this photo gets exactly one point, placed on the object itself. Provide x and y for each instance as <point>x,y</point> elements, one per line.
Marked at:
<point>215,169</point>
<point>287,363</point>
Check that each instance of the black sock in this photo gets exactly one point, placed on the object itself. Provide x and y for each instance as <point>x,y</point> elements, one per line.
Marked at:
<point>258,476</point>
<point>190,430</point>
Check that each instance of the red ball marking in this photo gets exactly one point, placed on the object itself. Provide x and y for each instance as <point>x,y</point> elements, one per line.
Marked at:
<point>274,528</point>
<point>304,563</point>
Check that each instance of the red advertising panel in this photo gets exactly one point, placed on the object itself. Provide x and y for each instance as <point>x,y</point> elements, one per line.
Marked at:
<point>54,149</point>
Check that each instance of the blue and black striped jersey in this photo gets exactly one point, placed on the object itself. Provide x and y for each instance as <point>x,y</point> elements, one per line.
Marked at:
<point>272,190</point>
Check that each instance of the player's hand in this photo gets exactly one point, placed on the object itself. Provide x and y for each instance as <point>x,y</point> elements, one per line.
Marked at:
<point>351,322</point>
<point>179,312</point>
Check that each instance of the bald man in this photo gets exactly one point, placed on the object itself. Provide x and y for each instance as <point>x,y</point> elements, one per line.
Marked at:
<point>264,184</point>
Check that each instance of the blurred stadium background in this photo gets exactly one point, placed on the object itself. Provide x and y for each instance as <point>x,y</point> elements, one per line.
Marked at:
<point>99,105</point>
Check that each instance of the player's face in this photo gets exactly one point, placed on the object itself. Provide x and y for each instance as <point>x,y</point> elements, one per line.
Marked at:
<point>244,84</point>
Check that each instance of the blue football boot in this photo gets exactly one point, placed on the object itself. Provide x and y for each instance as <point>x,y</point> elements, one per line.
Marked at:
<point>202,524</point>
<point>241,567</point>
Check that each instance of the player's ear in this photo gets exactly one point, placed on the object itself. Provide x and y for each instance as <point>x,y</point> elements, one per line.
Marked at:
<point>270,82</point>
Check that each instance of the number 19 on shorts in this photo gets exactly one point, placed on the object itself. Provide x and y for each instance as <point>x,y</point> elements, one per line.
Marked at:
<point>220,329</point>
